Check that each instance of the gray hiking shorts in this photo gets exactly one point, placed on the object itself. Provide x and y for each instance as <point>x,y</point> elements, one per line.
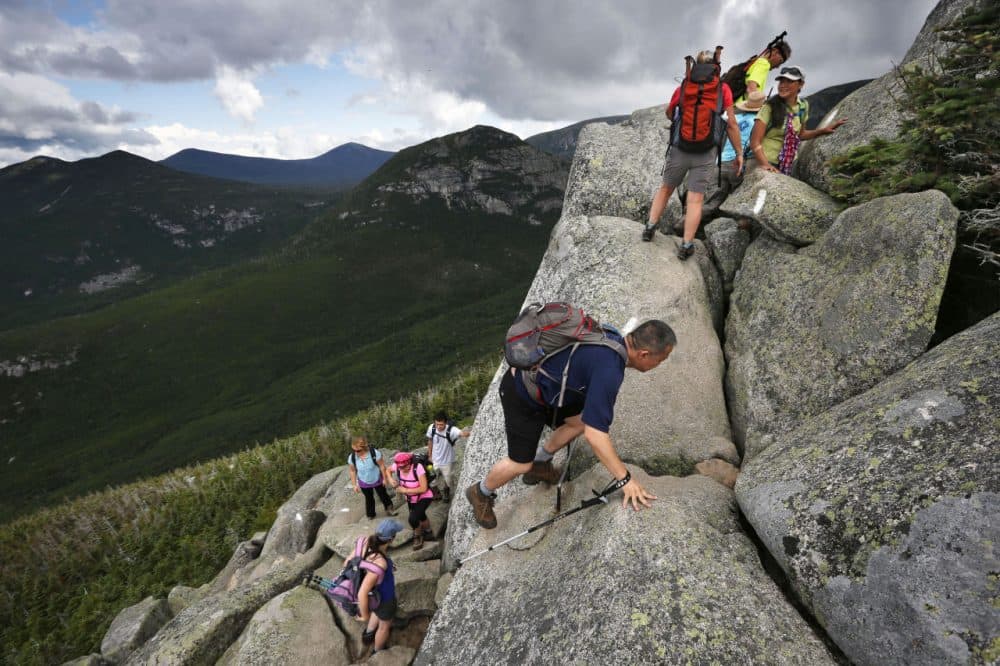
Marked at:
<point>697,167</point>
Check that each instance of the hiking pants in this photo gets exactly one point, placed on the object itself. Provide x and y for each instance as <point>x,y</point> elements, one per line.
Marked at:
<point>418,512</point>
<point>383,495</point>
<point>445,475</point>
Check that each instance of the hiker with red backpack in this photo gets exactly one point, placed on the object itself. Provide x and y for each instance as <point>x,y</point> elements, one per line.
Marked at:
<point>568,377</point>
<point>411,481</point>
<point>781,124</point>
<point>701,113</point>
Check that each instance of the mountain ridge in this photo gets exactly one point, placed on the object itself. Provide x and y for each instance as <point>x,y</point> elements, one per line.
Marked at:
<point>261,348</point>
<point>67,224</point>
<point>341,167</point>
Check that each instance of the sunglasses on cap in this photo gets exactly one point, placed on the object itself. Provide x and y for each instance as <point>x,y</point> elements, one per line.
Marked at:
<point>794,71</point>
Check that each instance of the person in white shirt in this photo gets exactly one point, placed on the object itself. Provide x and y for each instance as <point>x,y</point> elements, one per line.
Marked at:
<point>441,438</point>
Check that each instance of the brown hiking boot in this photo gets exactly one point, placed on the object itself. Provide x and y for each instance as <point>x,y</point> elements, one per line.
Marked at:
<point>482,507</point>
<point>418,539</point>
<point>541,471</point>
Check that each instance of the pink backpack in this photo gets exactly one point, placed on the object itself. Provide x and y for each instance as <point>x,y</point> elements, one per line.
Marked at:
<point>344,589</point>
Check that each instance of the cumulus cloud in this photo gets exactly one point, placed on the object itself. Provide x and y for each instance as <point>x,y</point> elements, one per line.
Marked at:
<point>559,59</point>
<point>518,58</point>
<point>237,93</point>
<point>446,64</point>
<point>40,116</point>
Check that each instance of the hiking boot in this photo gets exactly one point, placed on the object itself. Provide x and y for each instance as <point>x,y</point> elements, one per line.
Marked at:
<point>482,506</point>
<point>541,471</point>
<point>418,539</point>
<point>685,250</point>
<point>367,637</point>
<point>648,231</point>
<point>446,494</point>
<point>389,511</point>
<point>429,535</point>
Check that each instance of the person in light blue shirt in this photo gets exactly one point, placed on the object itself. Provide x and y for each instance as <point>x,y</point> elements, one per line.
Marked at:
<point>369,475</point>
<point>746,112</point>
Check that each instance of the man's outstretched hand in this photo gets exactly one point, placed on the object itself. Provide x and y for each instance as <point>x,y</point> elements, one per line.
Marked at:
<point>635,493</point>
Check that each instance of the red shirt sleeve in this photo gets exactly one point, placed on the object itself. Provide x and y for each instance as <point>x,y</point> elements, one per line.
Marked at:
<point>727,96</point>
<point>674,99</point>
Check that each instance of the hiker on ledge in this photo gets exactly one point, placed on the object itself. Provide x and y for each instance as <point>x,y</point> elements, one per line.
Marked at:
<point>592,385</point>
<point>700,108</point>
<point>441,438</point>
<point>756,76</point>
<point>781,124</point>
<point>378,622</point>
<point>411,480</point>
<point>367,475</point>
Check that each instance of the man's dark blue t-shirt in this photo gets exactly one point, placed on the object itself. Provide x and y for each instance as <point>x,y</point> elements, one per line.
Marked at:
<point>595,377</point>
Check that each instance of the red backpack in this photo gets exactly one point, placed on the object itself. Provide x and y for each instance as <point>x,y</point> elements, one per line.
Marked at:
<point>698,124</point>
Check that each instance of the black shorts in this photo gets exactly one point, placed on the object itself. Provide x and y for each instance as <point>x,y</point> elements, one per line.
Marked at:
<point>524,422</point>
<point>386,610</point>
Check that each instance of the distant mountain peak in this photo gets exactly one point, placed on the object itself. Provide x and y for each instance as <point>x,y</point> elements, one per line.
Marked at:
<point>341,167</point>
<point>482,169</point>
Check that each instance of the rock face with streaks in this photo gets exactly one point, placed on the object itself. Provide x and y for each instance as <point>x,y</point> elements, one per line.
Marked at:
<point>810,328</point>
<point>883,510</point>
<point>676,583</point>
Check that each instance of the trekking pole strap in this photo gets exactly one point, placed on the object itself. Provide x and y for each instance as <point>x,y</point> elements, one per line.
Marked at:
<point>617,484</point>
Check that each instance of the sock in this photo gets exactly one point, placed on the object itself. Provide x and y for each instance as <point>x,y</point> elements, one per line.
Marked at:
<point>484,490</point>
<point>541,455</point>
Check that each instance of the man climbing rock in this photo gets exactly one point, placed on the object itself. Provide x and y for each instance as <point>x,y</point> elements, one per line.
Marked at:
<point>593,380</point>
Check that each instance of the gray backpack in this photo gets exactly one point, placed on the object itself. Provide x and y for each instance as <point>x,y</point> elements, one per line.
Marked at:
<point>543,330</point>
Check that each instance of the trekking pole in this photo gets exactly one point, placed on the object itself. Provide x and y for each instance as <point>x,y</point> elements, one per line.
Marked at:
<point>773,43</point>
<point>777,40</point>
<point>564,477</point>
<point>599,498</point>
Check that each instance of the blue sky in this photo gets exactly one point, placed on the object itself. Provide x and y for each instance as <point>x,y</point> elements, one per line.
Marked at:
<point>293,80</point>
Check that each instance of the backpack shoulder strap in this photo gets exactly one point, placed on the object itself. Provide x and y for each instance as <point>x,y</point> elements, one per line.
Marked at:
<point>373,567</point>
<point>354,461</point>
<point>399,473</point>
<point>530,377</point>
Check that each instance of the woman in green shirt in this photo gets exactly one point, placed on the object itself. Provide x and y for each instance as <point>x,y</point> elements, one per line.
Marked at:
<point>780,124</point>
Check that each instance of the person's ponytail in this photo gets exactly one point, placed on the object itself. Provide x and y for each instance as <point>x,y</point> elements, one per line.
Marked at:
<point>371,546</point>
<point>778,112</point>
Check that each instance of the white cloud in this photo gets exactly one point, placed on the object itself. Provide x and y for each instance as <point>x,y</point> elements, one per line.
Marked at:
<point>238,94</point>
<point>40,116</point>
<point>439,66</point>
